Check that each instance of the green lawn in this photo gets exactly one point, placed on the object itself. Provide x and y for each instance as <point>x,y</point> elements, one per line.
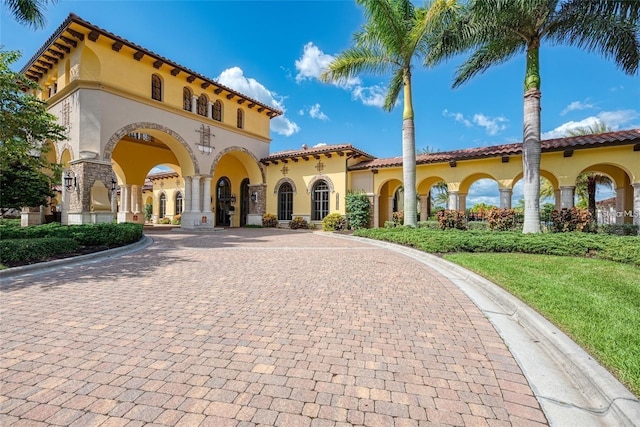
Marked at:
<point>596,302</point>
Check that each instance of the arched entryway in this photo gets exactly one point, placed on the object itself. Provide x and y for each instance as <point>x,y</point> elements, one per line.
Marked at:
<point>224,202</point>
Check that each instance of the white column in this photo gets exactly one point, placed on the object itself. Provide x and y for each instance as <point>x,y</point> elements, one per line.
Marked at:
<point>390,209</point>
<point>636,204</point>
<point>194,104</point>
<point>505,198</point>
<point>206,193</point>
<point>125,196</point>
<point>187,194</point>
<point>136,199</point>
<point>462,201</point>
<point>454,201</point>
<point>376,210</point>
<point>620,205</point>
<point>566,196</point>
<point>195,194</point>
<point>424,201</point>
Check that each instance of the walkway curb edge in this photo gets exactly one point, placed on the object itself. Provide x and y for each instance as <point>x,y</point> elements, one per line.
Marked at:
<point>52,265</point>
<point>571,387</point>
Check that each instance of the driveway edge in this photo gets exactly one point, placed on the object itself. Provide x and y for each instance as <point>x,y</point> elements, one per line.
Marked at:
<point>571,387</point>
<point>43,267</point>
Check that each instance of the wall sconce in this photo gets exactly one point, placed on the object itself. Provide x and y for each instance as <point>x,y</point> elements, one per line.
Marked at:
<point>232,198</point>
<point>254,197</point>
<point>70,181</point>
<point>113,184</point>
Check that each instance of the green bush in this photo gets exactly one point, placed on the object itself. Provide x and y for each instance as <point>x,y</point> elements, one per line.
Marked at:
<point>389,224</point>
<point>105,234</point>
<point>452,220</point>
<point>334,222</point>
<point>177,219</point>
<point>615,248</point>
<point>619,229</point>
<point>398,218</point>
<point>147,210</point>
<point>18,251</point>
<point>477,225</point>
<point>298,223</point>
<point>358,209</point>
<point>432,225</point>
<point>269,220</point>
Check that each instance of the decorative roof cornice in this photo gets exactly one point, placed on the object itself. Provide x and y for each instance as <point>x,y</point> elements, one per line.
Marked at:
<point>315,152</point>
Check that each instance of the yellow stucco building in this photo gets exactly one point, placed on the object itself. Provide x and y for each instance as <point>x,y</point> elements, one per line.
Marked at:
<point>127,110</point>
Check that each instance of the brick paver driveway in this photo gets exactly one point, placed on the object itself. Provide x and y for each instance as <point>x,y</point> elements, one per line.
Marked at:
<point>253,327</point>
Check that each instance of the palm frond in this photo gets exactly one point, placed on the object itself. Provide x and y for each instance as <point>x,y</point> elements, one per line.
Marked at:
<point>29,12</point>
<point>357,60</point>
<point>491,53</point>
<point>393,92</point>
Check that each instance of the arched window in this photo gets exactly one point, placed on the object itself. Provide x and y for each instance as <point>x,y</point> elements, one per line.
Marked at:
<point>156,87</point>
<point>319,201</point>
<point>240,119</point>
<point>285,202</point>
<point>186,99</point>
<point>178,203</point>
<point>217,111</point>
<point>203,105</point>
<point>163,205</point>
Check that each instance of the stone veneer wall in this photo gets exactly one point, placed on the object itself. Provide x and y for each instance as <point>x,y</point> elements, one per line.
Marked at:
<point>87,173</point>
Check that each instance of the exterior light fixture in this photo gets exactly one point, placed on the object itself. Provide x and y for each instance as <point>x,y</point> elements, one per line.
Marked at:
<point>70,181</point>
<point>113,184</point>
<point>254,197</point>
<point>232,199</point>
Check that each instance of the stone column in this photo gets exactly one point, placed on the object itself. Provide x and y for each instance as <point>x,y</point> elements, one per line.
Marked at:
<point>206,193</point>
<point>424,203</point>
<point>620,193</point>
<point>136,199</point>
<point>187,194</point>
<point>126,198</point>
<point>194,104</point>
<point>454,201</point>
<point>376,210</point>
<point>462,201</point>
<point>566,196</point>
<point>505,198</point>
<point>390,209</point>
<point>195,194</point>
<point>556,194</point>
<point>636,204</point>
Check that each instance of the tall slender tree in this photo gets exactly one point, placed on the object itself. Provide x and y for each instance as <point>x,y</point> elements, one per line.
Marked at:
<point>497,30</point>
<point>392,38</point>
<point>28,12</point>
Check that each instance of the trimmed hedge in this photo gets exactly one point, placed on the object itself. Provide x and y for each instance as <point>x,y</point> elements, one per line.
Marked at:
<point>615,248</point>
<point>618,229</point>
<point>14,251</point>
<point>106,234</point>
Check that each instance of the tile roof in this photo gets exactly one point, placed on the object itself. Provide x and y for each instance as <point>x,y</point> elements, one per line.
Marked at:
<point>73,18</point>
<point>322,149</point>
<point>608,139</point>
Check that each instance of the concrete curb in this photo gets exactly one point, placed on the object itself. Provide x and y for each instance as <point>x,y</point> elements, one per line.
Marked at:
<point>44,267</point>
<point>573,389</point>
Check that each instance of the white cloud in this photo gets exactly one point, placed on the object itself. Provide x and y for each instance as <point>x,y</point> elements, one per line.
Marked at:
<point>315,113</point>
<point>235,79</point>
<point>320,144</point>
<point>577,105</point>
<point>491,125</point>
<point>372,96</point>
<point>458,117</point>
<point>614,119</point>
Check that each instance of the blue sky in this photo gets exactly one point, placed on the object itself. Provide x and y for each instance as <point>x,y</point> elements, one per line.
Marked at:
<point>274,51</point>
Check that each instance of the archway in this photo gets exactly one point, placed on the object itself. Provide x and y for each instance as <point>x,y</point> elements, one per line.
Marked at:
<point>386,196</point>
<point>224,202</point>
<point>605,189</point>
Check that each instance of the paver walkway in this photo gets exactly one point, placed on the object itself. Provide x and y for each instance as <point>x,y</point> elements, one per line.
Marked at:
<point>253,327</point>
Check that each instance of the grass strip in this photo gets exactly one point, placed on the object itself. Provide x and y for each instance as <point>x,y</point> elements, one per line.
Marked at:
<point>596,302</point>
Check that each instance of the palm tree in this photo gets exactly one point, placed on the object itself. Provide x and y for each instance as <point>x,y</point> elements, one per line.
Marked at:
<point>587,182</point>
<point>28,12</point>
<point>392,37</point>
<point>497,30</point>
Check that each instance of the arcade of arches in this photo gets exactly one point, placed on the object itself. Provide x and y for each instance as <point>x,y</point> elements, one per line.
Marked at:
<point>127,110</point>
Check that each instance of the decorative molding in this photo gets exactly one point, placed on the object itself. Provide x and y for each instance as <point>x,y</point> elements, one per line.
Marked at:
<point>317,178</point>
<point>282,181</point>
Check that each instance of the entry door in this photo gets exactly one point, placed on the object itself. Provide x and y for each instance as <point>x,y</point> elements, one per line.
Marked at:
<point>223,202</point>
<point>244,201</point>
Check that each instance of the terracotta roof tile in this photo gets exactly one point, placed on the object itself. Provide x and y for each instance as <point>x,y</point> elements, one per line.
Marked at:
<point>558,144</point>
<point>323,149</point>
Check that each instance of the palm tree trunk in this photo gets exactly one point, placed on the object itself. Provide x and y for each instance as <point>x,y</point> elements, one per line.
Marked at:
<point>409,156</point>
<point>591,193</point>
<point>531,143</point>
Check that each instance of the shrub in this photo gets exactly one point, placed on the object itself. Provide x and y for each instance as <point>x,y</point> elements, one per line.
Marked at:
<point>477,225</point>
<point>269,220</point>
<point>105,234</point>
<point>398,217</point>
<point>298,223</point>
<point>573,219</point>
<point>358,209</point>
<point>177,219</point>
<point>15,251</point>
<point>618,229</point>
<point>432,225</point>
<point>501,219</point>
<point>334,222</point>
<point>147,210</point>
<point>165,220</point>
<point>389,224</point>
<point>451,219</point>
